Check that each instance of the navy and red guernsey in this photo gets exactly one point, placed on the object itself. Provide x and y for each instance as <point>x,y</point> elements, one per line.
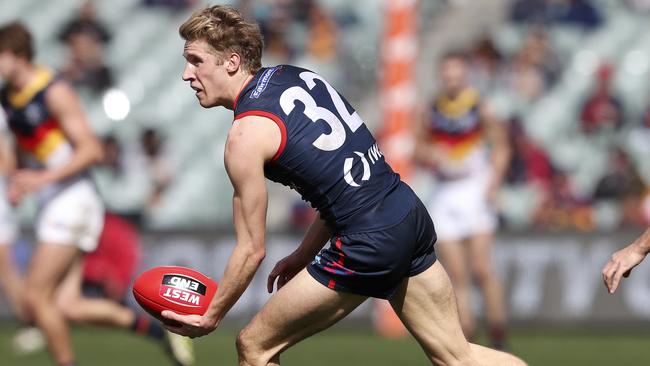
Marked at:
<point>327,153</point>
<point>381,231</point>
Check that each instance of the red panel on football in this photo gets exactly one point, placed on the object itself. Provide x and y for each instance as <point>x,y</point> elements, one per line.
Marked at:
<point>182,290</point>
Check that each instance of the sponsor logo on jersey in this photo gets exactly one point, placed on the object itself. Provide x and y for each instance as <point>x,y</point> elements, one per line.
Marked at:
<point>34,114</point>
<point>263,82</point>
<point>373,155</point>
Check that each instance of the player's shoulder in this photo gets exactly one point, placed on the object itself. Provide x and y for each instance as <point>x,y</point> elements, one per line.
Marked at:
<point>267,85</point>
<point>283,74</point>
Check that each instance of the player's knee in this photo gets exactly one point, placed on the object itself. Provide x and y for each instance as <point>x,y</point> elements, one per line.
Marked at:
<point>68,309</point>
<point>247,350</point>
<point>34,298</point>
<point>483,272</point>
<point>250,350</point>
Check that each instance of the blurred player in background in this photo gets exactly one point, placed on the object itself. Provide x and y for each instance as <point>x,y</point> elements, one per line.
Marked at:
<point>58,146</point>
<point>467,149</point>
<point>10,280</point>
<point>291,126</point>
<point>623,261</point>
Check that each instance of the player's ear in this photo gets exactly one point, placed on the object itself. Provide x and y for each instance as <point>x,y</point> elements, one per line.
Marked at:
<point>234,61</point>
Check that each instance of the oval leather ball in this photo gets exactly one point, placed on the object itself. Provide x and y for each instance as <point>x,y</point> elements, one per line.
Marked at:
<point>179,289</point>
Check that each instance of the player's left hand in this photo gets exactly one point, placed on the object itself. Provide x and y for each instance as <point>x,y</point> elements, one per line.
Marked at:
<point>29,180</point>
<point>191,325</point>
<point>620,265</point>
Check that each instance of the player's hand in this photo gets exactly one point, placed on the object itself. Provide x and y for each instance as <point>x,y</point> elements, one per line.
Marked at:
<point>28,180</point>
<point>285,269</point>
<point>190,325</point>
<point>620,265</point>
<point>15,194</point>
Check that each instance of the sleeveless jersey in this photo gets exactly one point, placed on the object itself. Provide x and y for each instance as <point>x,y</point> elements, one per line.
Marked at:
<point>37,132</point>
<point>327,154</point>
<point>455,126</point>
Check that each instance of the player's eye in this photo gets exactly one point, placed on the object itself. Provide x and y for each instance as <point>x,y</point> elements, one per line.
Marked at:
<point>195,60</point>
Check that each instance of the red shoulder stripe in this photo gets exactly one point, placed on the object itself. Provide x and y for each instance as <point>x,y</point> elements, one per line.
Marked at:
<point>278,121</point>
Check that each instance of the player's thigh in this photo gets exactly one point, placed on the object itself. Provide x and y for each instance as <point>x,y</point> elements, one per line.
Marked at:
<point>299,309</point>
<point>6,262</point>
<point>50,263</point>
<point>453,256</point>
<point>426,304</point>
<point>10,278</point>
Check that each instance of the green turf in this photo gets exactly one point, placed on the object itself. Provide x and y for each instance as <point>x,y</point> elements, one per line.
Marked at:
<point>99,347</point>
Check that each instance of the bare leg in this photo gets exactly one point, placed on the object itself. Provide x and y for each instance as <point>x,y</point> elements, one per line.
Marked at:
<point>453,256</point>
<point>426,304</point>
<point>12,282</point>
<point>49,265</point>
<point>481,258</point>
<point>79,309</point>
<point>298,310</point>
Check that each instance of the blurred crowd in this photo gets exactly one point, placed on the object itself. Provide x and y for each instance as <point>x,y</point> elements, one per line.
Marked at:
<point>619,195</point>
<point>136,173</point>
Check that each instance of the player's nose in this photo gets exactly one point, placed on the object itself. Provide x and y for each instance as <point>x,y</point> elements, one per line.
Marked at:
<point>188,74</point>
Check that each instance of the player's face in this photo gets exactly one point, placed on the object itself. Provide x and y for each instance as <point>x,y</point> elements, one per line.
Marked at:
<point>206,73</point>
<point>453,74</point>
<point>7,64</point>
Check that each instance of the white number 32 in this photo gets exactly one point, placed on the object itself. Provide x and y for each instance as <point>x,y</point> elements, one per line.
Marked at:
<point>336,138</point>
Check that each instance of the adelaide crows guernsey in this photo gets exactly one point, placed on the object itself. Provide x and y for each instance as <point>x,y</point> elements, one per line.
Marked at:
<point>37,132</point>
<point>327,154</point>
<point>455,126</point>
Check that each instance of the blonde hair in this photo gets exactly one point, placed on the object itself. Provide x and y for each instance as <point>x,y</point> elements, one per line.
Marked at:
<point>226,30</point>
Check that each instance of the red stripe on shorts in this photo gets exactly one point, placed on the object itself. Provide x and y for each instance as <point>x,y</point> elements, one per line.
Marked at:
<point>339,245</point>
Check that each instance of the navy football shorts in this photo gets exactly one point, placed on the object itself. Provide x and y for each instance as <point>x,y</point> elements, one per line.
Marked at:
<point>375,263</point>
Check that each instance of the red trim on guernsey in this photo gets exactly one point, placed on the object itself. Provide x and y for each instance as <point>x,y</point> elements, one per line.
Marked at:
<point>278,121</point>
<point>30,142</point>
<point>453,139</point>
<point>331,284</point>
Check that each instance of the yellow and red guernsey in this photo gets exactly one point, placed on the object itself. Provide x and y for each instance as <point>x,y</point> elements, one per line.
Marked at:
<point>37,131</point>
<point>455,123</point>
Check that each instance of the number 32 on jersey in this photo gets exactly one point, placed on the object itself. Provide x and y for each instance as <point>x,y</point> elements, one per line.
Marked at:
<point>336,138</point>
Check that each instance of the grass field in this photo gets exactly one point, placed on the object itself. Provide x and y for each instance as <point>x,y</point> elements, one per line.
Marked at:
<point>101,347</point>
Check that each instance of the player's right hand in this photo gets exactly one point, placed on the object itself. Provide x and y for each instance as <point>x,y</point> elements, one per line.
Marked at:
<point>285,270</point>
<point>620,265</point>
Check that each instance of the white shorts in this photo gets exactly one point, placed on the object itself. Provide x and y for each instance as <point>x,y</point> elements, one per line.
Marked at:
<point>72,216</point>
<point>460,208</point>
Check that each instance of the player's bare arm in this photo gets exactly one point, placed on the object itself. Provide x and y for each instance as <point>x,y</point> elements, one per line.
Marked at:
<point>65,106</point>
<point>497,138</point>
<point>623,261</point>
<point>7,156</point>
<point>425,152</point>
<point>290,265</point>
<point>252,141</point>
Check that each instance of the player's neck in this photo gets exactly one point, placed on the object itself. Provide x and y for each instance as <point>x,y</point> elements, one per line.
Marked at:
<point>22,76</point>
<point>454,93</point>
<point>239,84</point>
